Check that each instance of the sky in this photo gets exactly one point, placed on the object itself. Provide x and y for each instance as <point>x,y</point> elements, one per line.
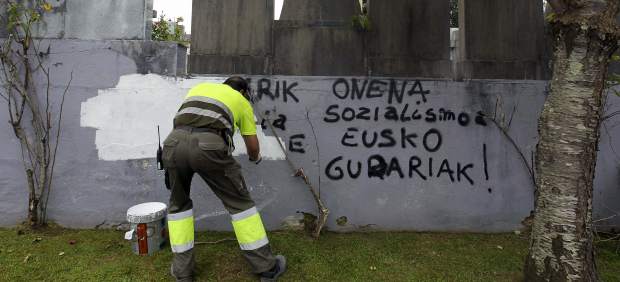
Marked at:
<point>183,8</point>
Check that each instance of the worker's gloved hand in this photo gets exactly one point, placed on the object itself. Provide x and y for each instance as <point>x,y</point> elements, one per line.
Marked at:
<point>257,161</point>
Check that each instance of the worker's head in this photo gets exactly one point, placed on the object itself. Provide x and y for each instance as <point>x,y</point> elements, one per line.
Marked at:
<point>239,84</point>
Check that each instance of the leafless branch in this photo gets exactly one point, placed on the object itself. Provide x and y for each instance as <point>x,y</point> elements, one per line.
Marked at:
<point>514,110</point>
<point>299,172</point>
<point>318,149</point>
<point>514,144</point>
<point>53,160</point>
<point>613,114</point>
<point>605,218</point>
<point>611,143</point>
<point>504,130</point>
<point>22,63</point>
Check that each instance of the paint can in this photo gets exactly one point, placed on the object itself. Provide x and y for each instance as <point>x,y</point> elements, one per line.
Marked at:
<point>148,232</point>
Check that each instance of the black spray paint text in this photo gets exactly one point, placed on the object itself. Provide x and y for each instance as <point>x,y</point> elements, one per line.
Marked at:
<point>395,90</point>
<point>403,113</point>
<point>276,89</point>
<point>416,167</point>
<point>431,140</point>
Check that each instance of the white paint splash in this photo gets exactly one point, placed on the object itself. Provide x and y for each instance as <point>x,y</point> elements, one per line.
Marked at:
<point>126,117</point>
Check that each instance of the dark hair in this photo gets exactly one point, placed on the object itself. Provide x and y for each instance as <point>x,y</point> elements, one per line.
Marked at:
<point>237,83</point>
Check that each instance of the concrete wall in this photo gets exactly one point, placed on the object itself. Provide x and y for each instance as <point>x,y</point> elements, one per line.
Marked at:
<point>166,58</point>
<point>319,10</point>
<point>406,38</point>
<point>410,38</point>
<point>86,190</point>
<point>326,48</point>
<point>502,39</point>
<point>97,20</point>
<point>232,36</point>
<point>437,163</point>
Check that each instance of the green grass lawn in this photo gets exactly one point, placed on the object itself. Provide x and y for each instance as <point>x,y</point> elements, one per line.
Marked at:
<point>103,255</point>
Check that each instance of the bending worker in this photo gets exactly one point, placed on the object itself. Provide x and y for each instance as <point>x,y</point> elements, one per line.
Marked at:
<point>201,143</point>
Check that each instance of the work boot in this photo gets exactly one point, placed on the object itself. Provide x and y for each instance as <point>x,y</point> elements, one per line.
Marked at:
<point>186,279</point>
<point>273,274</point>
<point>183,266</point>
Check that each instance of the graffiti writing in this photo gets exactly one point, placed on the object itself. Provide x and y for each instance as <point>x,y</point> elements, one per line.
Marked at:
<point>353,137</point>
<point>377,88</point>
<point>380,167</point>
<point>421,146</point>
<point>279,122</point>
<point>390,118</point>
<point>276,89</point>
<point>336,113</point>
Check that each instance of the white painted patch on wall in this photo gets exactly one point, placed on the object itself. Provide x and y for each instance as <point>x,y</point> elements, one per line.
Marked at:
<point>269,147</point>
<point>126,117</point>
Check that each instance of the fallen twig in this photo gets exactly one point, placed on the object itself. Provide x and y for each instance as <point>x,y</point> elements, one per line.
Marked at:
<point>214,242</point>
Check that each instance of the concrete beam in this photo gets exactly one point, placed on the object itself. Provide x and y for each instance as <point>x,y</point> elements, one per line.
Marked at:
<point>319,10</point>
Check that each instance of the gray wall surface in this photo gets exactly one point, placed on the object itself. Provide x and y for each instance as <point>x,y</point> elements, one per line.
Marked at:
<point>386,152</point>
<point>96,20</point>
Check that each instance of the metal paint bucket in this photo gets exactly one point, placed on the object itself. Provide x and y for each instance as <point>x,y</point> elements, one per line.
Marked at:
<point>148,232</point>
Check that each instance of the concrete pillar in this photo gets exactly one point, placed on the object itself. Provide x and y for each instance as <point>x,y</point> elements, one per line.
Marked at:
<point>231,36</point>
<point>310,48</point>
<point>319,10</point>
<point>410,38</point>
<point>315,37</point>
<point>501,39</point>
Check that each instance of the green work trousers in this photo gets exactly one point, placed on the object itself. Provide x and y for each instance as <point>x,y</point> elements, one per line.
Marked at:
<point>187,152</point>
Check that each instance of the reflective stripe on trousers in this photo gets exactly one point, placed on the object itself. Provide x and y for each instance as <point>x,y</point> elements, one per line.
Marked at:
<point>249,229</point>
<point>181,231</point>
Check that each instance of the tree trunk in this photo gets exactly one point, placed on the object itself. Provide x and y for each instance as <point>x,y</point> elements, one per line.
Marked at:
<point>561,246</point>
<point>33,200</point>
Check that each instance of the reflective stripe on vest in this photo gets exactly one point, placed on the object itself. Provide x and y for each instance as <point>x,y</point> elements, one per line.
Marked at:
<point>214,97</point>
<point>210,100</point>
<point>205,113</point>
<point>249,229</point>
<point>181,231</point>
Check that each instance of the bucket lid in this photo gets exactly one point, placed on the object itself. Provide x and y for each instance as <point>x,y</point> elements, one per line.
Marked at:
<point>146,212</point>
